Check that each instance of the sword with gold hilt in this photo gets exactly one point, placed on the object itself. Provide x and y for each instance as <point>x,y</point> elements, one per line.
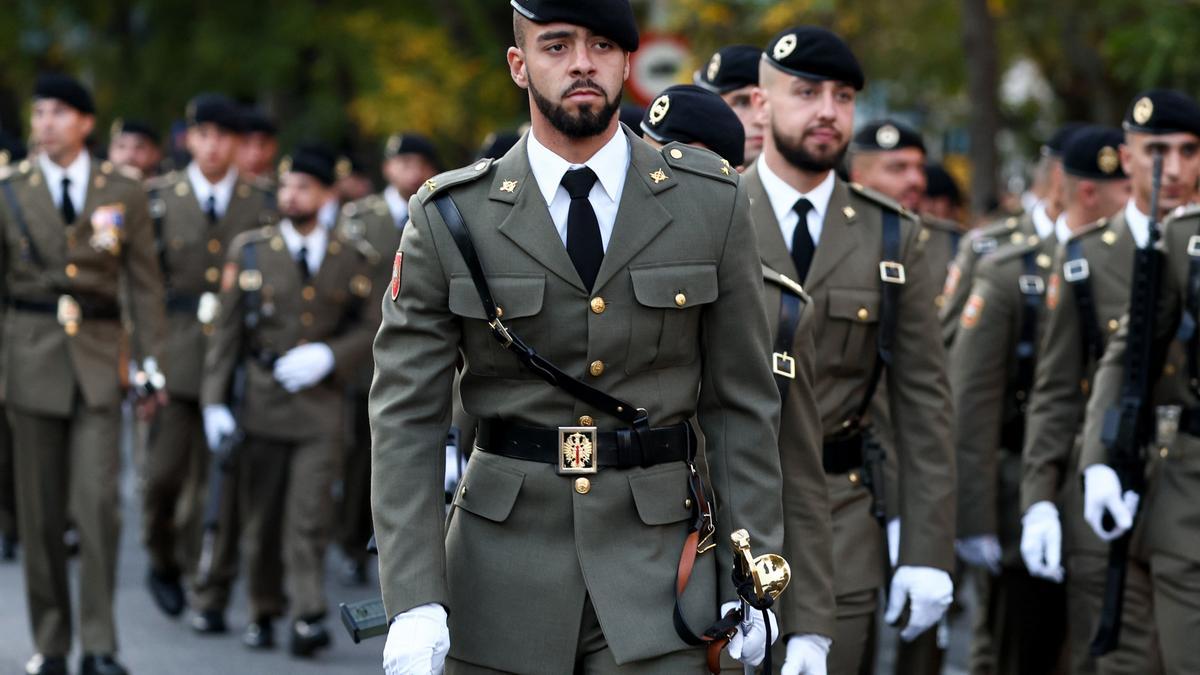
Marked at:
<point>768,574</point>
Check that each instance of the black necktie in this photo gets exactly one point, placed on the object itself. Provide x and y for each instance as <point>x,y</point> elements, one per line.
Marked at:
<point>302,263</point>
<point>583,230</point>
<point>211,210</point>
<point>67,207</point>
<point>803,247</point>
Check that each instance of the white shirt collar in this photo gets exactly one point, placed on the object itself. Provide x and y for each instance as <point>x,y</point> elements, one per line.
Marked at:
<point>396,204</point>
<point>1041,221</point>
<point>783,196</point>
<point>327,215</point>
<point>1061,231</point>
<point>610,163</point>
<point>77,171</point>
<point>315,243</point>
<point>1138,224</point>
<point>221,191</point>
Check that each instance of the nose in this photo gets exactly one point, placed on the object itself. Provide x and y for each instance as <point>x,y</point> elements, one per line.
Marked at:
<point>581,61</point>
<point>828,110</point>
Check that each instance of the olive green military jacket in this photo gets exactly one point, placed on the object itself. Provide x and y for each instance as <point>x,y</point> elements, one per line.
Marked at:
<point>977,244</point>
<point>984,376</point>
<point>675,325</point>
<point>339,307</point>
<point>1169,511</point>
<point>809,605</point>
<point>369,224</point>
<point>191,253</point>
<point>844,283</point>
<point>940,238</point>
<point>105,256</point>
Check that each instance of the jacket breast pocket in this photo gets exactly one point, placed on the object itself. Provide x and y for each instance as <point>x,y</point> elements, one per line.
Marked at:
<point>520,298</point>
<point>665,322</point>
<point>487,489</point>
<point>853,324</point>
<point>661,495</point>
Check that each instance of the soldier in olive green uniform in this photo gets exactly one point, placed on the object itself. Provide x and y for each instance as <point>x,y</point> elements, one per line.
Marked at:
<point>1162,605</point>
<point>612,260</point>
<point>75,232</point>
<point>297,314</point>
<point>10,154</point>
<point>732,73</point>
<point>375,223</point>
<point>837,235</point>
<point>1087,294</point>
<point>196,213</point>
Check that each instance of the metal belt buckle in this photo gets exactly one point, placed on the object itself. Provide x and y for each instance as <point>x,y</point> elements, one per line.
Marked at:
<point>207,308</point>
<point>1193,248</point>
<point>578,450</point>
<point>1167,418</point>
<point>1076,270</point>
<point>784,365</point>
<point>69,313</point>
<point>1031,284</point>
<point>891,272</point>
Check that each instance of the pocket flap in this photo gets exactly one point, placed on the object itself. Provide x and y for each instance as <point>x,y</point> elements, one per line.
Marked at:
<point>854,304</point>
<point>660,494</point>
<point>488,490</point>
<point>660,286</point>
<point>518,295</point>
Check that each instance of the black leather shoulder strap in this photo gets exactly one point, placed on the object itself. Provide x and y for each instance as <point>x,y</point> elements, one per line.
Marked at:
<point>891,279</point>
<point>1077,273</point>
<point>1188,333</point>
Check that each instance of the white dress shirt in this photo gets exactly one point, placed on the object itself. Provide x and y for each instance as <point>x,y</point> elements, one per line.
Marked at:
<point>783,198</point>
<point>78,173</point>
<point>1138,223</point>
<point>315,244</point>
<point>1061,231</point>
<point>397,205</point>
<point>221,191</point>
<point>327,215</point>
<point>1041,221</point>
<point>610,164</point>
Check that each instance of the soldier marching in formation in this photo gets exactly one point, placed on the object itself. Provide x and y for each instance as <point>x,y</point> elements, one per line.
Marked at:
<point>568,386</point>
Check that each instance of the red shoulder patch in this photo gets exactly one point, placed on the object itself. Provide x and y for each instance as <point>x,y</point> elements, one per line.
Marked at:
<point>396,265</point>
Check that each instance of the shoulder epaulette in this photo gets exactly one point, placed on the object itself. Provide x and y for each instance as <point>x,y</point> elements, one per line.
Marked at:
<point>699,161</point>
<point>1088,230</point>
<point>368,204</point>
<point>449,179</point>
<point>783,280</point>
<point>1186,212</point>
<point>166,180</point>
<point>23,169</point>
<point>941,224</point>
<point>880,199</point>
<point>261,234</point>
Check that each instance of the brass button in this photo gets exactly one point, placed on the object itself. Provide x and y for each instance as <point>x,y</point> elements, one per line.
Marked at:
<point>72,270</point>
<point>1112,324</point>
<point>499,312</point>
<point>687,503</point>
<point>853,476</point>
<point>462,491</point>
<point>306,319</point>
<point>208,329</point>
<point>680,299</point>
<point>1163,452</point>
<point>1168,369</point>
<point>863,314</point>
<point>308,293</point>
<point>212,274</point>
<point>598,305</point>
<point>71,328</point>
<point>587,421</point>
<point>676,153</point>
<point>583,486</point>
<point>596,369</point>
<point>214,246</point>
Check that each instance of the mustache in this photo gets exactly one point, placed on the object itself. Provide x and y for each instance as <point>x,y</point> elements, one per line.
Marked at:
<point>584,84</point>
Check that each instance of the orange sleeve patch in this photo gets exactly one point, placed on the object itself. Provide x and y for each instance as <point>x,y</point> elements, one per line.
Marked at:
<point>953,275</point>
<point>1052,292</point>
<point>397,264</point>
<point>973,311</point>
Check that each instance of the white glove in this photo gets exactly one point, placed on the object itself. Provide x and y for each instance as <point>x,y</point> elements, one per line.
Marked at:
<point>1041,541</point>
<point>806,655</point>
<point>417,642</point>
<point>930,592</point>
<point>218,423</point>
<point>981,550</point>
<point>893,539</point>
<point>304,366</point>
<point>1102,492</point>
<point>749,643</point>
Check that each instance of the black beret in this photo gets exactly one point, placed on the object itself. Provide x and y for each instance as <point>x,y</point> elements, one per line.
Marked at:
<point>123,125</point>
<point>691,114</point>
<point>66,89</point>
<point>498,143</point>
<point>313,159</point>
<point>612,19</point>
<point>730,68</point>
<point>214,109</point>
<point>1091,152</point>
<point>631,116</point>
<point>939,183</point>
<point>1163,111</point>
<point>1054,146</point>
<point>255,121</point>
<point>409,143</point>
<point>814,53</point>
<point>887,134</point>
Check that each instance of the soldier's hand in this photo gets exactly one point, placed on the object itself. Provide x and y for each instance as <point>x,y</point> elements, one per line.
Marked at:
<point>981,551</point>
<point>749,643</point>
<point>417,642</point>
<point>218,423</point>
<point>304,366</point>
<point>1102,494</point>
<point>806,655</point>
<point>929,591</point>
<point>1041,541</point>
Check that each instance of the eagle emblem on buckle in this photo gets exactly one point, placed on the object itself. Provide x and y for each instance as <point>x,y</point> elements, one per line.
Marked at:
<point>577,450</point>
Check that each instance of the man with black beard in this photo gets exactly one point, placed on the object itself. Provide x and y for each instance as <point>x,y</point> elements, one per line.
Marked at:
<point>577,540</point>
<point>858,255</point>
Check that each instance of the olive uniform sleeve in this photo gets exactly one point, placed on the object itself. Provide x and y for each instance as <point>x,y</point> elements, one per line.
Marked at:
<point>225,347</point>
<point>144,279</point>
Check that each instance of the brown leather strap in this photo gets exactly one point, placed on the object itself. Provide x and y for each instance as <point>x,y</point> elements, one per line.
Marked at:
<point>714,655</point>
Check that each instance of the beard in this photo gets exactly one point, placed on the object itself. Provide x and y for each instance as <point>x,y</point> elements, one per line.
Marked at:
<point>585,123</point>
<point>802,159</point>
<point>298,216</point>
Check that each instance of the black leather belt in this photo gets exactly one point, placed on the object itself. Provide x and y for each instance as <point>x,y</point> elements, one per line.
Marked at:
<point>843,454</point>
<point>181,303</point>
<point>614,449</point>
<point>89,310</point>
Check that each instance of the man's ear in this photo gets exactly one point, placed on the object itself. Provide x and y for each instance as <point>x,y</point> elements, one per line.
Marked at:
<point>517,70</point>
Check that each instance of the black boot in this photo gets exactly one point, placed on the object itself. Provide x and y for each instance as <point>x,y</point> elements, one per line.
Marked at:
<point>46,665</point>
<point>166,591</point>
<point>259,634</point>
<point>308,637</point>
<point>100,664</point>
<point>208,622</point>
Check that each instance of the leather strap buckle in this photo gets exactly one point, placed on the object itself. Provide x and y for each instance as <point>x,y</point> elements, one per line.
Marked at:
<point>1031,284</point>
<point>1076,270</point>
<point>1193,247</point>
<point>578,451</point>
<point>783,365</point>
<point>892,272</point>
<point>501,331</point>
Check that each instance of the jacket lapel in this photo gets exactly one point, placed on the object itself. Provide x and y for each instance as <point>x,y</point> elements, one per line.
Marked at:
<point>45,223</point>
<point>773,249</point>
<point>839,236</point>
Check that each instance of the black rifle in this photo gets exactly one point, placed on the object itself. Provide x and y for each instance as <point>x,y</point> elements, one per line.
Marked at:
<point>219,463</point>
<point>1128,425</point>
